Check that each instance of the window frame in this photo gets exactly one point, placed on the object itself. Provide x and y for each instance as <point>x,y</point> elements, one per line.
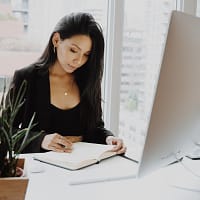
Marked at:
<point>111,80</point>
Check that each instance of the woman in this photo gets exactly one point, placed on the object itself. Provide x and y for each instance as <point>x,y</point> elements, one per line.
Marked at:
<point>64,88</point>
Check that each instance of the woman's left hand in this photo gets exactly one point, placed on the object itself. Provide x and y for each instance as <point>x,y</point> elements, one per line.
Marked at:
<point>119,145</point>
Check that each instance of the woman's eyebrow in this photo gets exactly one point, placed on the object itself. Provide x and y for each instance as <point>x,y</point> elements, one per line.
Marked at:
<point>89,51</point>
<point>76,46</point>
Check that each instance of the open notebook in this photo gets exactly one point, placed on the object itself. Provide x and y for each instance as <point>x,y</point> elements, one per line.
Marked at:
<point>84,154</point>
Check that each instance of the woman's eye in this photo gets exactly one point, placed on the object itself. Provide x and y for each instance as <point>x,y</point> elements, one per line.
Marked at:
<point>73,51</point>
<point>87,55</point>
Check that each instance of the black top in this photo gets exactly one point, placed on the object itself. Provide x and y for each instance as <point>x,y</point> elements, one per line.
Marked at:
<point>65,122</point>
<point>37,100</point>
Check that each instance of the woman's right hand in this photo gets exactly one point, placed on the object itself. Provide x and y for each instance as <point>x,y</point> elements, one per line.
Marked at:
<point>56,142</point>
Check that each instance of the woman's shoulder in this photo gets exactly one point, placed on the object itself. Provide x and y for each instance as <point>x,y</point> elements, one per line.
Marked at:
<point>28,71</point>
<point>25,71</point>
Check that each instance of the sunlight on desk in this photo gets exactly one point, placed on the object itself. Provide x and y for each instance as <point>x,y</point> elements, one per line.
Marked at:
<point>54,183</point>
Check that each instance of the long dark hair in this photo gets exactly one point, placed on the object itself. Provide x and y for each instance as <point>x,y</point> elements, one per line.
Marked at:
<point>89,76</point>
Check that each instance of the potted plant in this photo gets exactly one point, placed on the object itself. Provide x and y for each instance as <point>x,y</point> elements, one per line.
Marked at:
<point>12,143</point>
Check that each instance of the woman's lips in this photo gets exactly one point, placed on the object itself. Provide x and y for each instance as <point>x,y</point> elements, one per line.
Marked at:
<point>71,66</point>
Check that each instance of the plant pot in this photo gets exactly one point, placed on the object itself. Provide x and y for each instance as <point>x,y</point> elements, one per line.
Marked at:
<point>14,188</point>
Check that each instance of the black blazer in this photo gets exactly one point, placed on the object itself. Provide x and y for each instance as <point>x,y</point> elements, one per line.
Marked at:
<point>37,97</point>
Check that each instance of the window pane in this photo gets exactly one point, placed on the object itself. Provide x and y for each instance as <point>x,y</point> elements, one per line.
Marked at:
<point>145,27</point>
<point>198,8</point>
<point>27,24</point>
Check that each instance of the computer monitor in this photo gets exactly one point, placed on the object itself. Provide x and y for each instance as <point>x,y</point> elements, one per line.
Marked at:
<point>174,124</point>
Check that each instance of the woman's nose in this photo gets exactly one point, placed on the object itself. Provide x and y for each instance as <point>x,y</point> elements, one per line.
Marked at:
<point>78,59</point>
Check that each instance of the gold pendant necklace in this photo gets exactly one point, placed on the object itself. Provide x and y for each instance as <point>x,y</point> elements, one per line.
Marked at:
<point>66,93</point>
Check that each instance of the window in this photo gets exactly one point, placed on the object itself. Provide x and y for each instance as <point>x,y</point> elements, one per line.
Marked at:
<point>198,8</point>
<point>144,33</point>
<point>26,26</point>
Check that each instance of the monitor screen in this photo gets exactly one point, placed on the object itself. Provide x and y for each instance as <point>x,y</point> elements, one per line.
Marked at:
<point>174,124</point>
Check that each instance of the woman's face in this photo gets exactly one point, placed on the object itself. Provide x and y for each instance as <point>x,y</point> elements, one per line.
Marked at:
<point>73,52</point>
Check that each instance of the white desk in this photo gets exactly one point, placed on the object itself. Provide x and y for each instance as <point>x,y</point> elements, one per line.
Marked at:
<point>53,182</point>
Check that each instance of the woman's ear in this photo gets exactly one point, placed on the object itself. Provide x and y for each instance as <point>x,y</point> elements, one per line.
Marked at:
<point>55,39</point>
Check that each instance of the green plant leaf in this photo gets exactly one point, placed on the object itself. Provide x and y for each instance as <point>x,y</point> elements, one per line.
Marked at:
<point>13,139</point>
